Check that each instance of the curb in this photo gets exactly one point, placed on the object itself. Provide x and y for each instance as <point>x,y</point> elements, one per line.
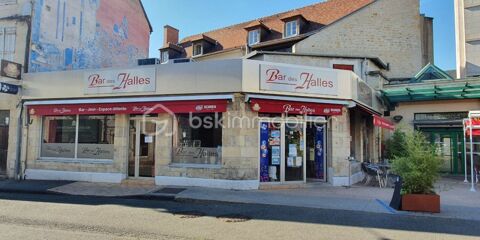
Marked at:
<point>47,192</point>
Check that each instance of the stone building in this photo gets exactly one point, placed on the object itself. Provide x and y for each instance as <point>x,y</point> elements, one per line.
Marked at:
<point>50,35</point>
<point>467,21</point>
<point>236,124</point>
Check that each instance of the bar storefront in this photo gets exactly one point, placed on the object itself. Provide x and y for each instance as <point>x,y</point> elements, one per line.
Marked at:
<point>236,124</point>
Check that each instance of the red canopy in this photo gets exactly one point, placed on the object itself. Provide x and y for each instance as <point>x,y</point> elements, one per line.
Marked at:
<point>468,124</point>
<point>383,123</point>
<point>201,106</point>
<point>289,107</point>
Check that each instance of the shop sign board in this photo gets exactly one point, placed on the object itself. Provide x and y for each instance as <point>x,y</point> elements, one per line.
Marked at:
<point>315,109</point>
<point>205,106</point>
<point>140,80</point>
<point>475,123</point>
<point>298,80</point>
<point>8,88</point>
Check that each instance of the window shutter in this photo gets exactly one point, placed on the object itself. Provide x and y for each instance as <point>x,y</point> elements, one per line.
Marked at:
<point>9,43</point>
<point>2,42</point>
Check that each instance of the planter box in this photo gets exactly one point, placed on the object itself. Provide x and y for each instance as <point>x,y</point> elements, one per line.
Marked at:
<point>421,203</point>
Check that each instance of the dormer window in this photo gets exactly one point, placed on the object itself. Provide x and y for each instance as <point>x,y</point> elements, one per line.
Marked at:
<point>165,57</point>
<point>197,49</point>
<point>291,29</point>
<point>253,37</point>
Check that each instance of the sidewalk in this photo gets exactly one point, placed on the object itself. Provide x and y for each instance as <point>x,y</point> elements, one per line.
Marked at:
<point>456,199</point>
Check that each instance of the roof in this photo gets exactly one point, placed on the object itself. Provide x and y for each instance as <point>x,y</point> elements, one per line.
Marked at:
<point>146,16</point>
<point>377,61</point>
<point>318,15</point>
<point>431,72</point>
<point>433,90</point>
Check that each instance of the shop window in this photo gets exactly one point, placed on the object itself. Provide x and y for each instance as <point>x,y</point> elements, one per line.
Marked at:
<point>199,139</point>
<point>78,137</point>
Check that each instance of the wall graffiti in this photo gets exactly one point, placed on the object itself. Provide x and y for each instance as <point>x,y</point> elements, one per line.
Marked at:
<point>84,34</point>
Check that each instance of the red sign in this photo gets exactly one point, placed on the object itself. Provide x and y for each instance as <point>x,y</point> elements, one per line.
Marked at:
<point>383,123</point>
<point>303,108</point>
<point>202,106</point>
<point>476,123</point>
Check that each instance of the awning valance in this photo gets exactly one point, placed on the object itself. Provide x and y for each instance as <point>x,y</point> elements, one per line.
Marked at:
<point>383,123</point>
<point>289,107</point>
<point>201,106</point>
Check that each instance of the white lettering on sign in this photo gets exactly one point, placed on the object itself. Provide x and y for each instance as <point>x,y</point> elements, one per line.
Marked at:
<point>120,81</point>
<point>292,79</point>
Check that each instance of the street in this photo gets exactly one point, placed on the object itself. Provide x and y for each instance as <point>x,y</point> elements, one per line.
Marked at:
<point>28,216</point>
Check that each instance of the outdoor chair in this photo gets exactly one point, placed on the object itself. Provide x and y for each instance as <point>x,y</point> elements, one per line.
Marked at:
<point>373,172</point>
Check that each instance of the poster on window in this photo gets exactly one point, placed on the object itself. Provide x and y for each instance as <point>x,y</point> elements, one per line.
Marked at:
<point>275,155</point>
<point>319,153</point>
<point>264,161</point>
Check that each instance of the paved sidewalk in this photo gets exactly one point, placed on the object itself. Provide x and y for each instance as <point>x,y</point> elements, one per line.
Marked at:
<point>456,199</point>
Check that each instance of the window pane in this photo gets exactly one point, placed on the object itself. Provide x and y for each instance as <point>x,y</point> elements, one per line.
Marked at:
<point>199,139</point>
<point>59,137</point>
<point>95,137</point>
<point>253,37</point>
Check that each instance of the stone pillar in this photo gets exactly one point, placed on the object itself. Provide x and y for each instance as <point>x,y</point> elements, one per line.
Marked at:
<point>339,148</point>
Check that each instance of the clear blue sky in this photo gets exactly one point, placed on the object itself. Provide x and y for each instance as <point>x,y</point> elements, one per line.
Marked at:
<point>192,17</point>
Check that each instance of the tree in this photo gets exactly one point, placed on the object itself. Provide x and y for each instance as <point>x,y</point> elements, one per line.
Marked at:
<point>395,146</point>
<point>418,165</point>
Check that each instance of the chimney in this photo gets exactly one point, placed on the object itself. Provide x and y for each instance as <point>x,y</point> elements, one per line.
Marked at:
<point>170,35</point>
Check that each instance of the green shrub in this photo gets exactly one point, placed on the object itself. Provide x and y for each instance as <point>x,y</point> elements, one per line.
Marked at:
<point>395,145</point>
<point>418,166</point>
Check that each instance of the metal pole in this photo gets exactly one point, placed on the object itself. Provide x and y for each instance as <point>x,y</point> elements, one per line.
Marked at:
<point>465,150</point>
<point>472,189</point>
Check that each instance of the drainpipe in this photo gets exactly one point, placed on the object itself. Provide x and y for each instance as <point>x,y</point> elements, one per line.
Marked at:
<point>18,152</point>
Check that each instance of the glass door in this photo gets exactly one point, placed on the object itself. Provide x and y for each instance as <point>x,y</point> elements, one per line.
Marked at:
<point>294,151</point>
<point>141,162</point>
<point>282,151</point>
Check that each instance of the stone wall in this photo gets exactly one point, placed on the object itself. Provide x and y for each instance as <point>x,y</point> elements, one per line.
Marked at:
<point>388,29</point>
<point>239,149</point>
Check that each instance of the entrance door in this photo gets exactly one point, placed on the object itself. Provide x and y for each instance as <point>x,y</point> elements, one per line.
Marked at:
<point>449,147</point>
<point>4,121</point>
<point>141,161</point>
<point>316,167</point>
<point>282,151</point>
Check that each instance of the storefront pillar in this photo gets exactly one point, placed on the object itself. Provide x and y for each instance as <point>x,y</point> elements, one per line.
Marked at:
<point>121,141</point>
<point>341,171</point>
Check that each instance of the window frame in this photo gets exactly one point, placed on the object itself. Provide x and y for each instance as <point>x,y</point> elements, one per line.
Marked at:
<point>194,52</point>
<point>257,34</point>
<point>286,32</point>
<point>76,142</point>
<point>5,33</point>
<point>165,56</point>
<point>176,142</point>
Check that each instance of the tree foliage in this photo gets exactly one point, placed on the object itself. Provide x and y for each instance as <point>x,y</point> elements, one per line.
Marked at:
<point>418,165</point>
<point>395,145</point>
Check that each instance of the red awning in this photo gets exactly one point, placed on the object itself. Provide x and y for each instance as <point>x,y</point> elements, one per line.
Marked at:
<point>383,123</point>
<point>304,108</point>
<point>476,126</point>
<point>201,106</point>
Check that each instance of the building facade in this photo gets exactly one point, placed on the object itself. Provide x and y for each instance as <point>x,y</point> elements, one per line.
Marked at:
<point>436,104</point>
<point>392,32</point>
<point>48,35</point>
<point>467,21</point>
<point>233,124</point>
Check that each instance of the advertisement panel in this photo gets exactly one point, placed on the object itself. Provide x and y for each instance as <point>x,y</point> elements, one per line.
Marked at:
<point>119,81</point>
<point>298,80</point>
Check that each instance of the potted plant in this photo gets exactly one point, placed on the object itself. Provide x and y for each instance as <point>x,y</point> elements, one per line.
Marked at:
<point>418,166</point>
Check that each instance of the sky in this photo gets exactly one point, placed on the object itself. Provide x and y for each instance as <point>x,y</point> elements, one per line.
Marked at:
<point>193,16</point>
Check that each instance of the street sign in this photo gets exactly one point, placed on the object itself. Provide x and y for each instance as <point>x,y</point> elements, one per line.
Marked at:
<point>8,88</point>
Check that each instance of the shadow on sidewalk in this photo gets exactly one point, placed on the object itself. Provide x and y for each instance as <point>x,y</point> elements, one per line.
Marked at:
<point>272,213</point>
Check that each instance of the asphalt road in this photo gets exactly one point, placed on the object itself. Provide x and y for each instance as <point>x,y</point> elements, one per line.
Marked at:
<point>26,216</point>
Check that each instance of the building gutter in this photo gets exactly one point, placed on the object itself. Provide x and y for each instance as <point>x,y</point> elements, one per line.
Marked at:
<point>18,150</point>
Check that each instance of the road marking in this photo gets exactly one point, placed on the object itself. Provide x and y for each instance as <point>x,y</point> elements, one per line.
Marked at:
<point>388,208</point>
